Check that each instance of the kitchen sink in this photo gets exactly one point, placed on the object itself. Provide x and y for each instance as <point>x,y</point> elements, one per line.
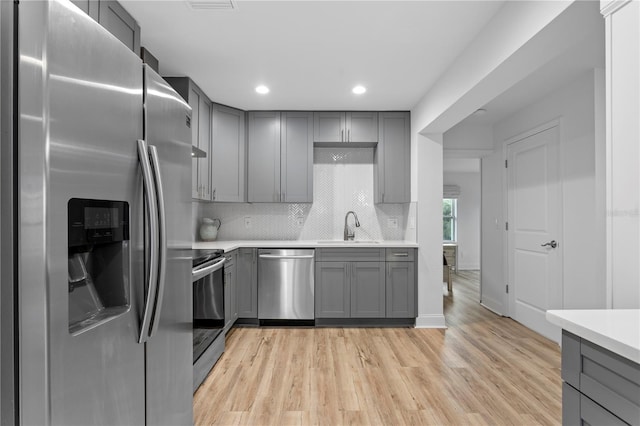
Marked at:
<point>348,242</point>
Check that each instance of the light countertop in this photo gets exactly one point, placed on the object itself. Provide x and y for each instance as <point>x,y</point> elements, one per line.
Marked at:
<point>617,330</point>
<point>232,245</point>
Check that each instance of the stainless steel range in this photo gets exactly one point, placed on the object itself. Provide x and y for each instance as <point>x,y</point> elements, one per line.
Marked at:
<point>208,311</point>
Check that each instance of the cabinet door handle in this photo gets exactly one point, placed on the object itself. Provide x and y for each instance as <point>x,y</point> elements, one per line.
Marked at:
<point>283,197</point>
<point>401,254</point>
<point>213,196</point>
<point>349,135</point>
<point>342,135</point>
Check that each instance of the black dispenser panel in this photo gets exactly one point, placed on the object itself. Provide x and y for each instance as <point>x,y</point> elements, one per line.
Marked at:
<point>97,221</point>
<point>99,273</point>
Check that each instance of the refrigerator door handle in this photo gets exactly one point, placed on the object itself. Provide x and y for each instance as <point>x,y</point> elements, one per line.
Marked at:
<point>152,208</point>
<point>162,239</point>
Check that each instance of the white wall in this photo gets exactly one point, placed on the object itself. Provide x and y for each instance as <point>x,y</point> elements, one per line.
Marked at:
<point>429,230</point>
<point>521,38</point>
<point>492,282</point>
<point>623,153</point>
<point>583,253</point>
<point>468,140</point>
<point>468,221</point>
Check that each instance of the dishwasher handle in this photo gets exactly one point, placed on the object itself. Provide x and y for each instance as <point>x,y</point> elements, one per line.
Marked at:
<point>291,256</point>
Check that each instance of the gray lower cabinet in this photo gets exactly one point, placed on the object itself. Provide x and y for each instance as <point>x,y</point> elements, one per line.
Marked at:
<point>230,291</point>
<point>367,290</point>
<point>400,289</point>
<point>280,157</point>
<point>392,159</point>
<point>600,387</point>
<point>350,290</point>
<point>333,293</point>
<point>247,282</point>
<point>360,283</point>
<point>112,16</point>
<point>227,154</point>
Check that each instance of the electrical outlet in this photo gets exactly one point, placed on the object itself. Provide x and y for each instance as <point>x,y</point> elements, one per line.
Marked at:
<point>248,222</point>
<point>392,223</point>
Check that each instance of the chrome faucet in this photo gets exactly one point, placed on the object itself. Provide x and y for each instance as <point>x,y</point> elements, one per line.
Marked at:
<point>348,235</point>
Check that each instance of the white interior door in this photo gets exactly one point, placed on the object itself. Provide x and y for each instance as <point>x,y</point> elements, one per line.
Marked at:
<point>534,212</point>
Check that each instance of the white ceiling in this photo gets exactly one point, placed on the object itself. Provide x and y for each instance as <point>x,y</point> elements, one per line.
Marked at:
<point>577,60</point>
<point>311,53</point>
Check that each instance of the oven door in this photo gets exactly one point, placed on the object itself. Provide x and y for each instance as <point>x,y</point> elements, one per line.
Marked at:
<point>208,304</point>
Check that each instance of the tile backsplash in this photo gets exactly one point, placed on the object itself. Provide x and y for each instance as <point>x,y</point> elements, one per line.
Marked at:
<point>342,181</point>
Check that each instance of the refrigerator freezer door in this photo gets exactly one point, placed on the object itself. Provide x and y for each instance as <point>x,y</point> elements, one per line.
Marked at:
<point>169,348</point>
<point>80,116</point>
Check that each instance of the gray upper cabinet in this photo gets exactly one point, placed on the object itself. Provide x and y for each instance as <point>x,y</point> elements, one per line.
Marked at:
<point>200,134</point>
<point>328,126</point>
<point>331,128</point>
<point>119,23</point>
<point>204,143</point>
<point>362,127</point>
<point>112,16</point>
<point>90,7</point>
<point>227,154</point>
<point>247,283</point>
<point>392,163</point>
<point>280,157</point>
<point>297,157</point>
<point>263,144</point>
<point>367,290</point>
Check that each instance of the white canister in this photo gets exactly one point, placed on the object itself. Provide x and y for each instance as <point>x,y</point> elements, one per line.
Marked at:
<point>209,229</point>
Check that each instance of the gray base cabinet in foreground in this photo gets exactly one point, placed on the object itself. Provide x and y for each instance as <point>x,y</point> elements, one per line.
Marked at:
<point>600,387</point>
<point>230,291</point>
<point>365,283</point>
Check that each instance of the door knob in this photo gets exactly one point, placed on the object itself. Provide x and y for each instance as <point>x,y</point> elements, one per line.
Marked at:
<point>552,244</point>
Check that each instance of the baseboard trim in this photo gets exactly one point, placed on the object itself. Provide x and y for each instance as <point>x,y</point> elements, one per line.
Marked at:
<point>469,267</point>
<point>491,309</point>
<point>494,305</point>
<point>431,321</point>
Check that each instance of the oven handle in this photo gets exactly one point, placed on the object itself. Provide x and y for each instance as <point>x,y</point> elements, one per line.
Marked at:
<point>203,271</point>
<point>290,256</point>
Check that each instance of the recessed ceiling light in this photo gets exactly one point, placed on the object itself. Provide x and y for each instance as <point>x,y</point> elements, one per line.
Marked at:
<point>359,90</point>
<point>262,89</point>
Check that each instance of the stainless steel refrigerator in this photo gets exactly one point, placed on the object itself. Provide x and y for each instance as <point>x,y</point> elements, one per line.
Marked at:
<point>96,297</point>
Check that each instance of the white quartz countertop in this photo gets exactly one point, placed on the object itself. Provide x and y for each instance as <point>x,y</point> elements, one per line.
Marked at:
<point>617,330</point>
<point>232,245</point>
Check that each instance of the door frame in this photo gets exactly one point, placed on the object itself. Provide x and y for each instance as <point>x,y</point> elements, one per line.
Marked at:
<point>557,122</point>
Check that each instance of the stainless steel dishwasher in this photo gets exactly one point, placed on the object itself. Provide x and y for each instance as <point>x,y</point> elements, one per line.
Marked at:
<point>285,284</point>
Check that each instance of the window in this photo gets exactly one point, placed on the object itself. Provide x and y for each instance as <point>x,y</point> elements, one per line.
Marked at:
<point>449,213</point>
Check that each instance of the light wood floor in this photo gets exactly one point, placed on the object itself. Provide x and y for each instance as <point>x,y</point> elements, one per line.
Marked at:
<point>483,369</point>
